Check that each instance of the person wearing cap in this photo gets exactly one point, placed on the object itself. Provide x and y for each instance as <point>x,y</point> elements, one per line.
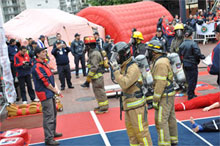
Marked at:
<point>108,45</point>
<point>31,50</point>
<point>214,67</point>
<point>78,51</point>
<point>190,55</point>
<point>45,90</point>
<point>59,38</point>
<point>40,41</point>
<point>22,63</point>
<point>29,47</point>
<point>99,41</point>
<point>12,50</point>
<point>62,60</point>
<point>162,38</point>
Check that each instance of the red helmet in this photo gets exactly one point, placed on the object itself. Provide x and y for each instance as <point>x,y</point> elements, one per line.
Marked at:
<point>89,39</point>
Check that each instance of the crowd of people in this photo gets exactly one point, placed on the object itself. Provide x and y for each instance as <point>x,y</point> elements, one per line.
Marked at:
<point>173,37</point>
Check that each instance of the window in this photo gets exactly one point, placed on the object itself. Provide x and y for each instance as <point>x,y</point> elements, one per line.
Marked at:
<point>14,1</point>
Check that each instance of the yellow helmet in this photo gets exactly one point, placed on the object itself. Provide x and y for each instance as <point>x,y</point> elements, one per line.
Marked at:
<point>138,35</point>
<point>178,26</point>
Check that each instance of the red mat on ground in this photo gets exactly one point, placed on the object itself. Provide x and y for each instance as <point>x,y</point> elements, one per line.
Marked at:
<point>71,125</point>
<point>203,73</point>
<point>204,86</point>
<point>81,124</point>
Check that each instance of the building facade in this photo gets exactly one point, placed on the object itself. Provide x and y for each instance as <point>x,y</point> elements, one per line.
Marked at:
<point>11,8</point>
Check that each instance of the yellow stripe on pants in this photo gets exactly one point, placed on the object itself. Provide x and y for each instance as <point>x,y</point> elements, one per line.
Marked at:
<point>145,141</point>
<point>140,122</point>
<point>162,142</point>
<point>160,114</point>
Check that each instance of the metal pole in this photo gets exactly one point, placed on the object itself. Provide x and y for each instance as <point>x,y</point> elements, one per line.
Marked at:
<point>182,5</point>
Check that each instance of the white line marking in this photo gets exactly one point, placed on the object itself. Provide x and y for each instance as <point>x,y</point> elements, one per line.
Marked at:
<point>101,131</point>
<point>195,133</point>
<point>216,127</point>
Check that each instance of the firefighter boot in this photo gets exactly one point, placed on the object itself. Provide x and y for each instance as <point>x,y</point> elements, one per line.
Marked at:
<point>85,84</point>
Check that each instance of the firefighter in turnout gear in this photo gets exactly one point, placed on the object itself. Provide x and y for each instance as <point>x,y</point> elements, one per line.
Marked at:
<point>129,78</point>
<point>137,45</point>
<point>163,98</point>
<point>178,39</point>
<point>96,74</point>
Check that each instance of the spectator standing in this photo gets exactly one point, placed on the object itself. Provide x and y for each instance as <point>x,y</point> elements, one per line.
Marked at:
<point>209,19</point>
<point>162,38</point>
<point>214,68</point>
<point>41,41</point>
<point>31,52</point>
<point>217,17</point>
<point>29,46</point>
<point>62,60</point>
<point>99,41</point>
<point>12,50</point>
<point>45,90</point>
<point>108,45</point>
<point>22,63</point>
<point>59,38</point>
<point>170,35</point>
<point>78,51</point>
<point>190,53</point>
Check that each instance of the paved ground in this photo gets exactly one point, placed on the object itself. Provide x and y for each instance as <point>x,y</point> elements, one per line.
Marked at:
<point>82,100</point>
<point>71,96</point>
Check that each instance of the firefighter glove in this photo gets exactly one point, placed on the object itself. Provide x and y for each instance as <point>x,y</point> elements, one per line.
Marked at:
<point>156,105</point>
<point>114,65</point>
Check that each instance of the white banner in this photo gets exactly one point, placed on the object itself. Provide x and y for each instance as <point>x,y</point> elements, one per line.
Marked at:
<point>205,29</point>
<point>4,62</point>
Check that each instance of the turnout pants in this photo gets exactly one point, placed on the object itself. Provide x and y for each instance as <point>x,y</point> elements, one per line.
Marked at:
<point>49,118</point>
<point>80,58</point>
<point>99,91</point>
<point>137,127</point>
<point>211,126</point>
<point>191,77</point>
<point>26,79</point>
<point>64,73</point>
<point>165,121</point>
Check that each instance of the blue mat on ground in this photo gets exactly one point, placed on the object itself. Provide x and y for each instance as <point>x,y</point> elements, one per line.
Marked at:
<point>120,138</point>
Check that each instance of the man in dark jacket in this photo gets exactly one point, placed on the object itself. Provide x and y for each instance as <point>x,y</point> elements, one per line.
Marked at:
<point>214,68</point>
<point>45,89</point>
<point>108,45</point>
<point>22,63</point>
<point>12,50</point>
<point>190,54</point>
<point>99,41</point>
<point>62,60</point>
<point>78,51</point>
<point>162,38</point>
<point>59,38</point>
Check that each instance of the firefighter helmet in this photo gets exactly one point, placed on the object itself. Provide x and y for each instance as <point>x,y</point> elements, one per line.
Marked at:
<point>155,46</point>
<point>138,35</point>
<point>89,40</point>
<point>123,51</point>
<point>178,26</point>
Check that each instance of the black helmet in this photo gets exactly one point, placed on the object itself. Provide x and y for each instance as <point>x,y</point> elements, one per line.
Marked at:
<point>123,51</point>
<point>108,37</point>
<point>155,46</point>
